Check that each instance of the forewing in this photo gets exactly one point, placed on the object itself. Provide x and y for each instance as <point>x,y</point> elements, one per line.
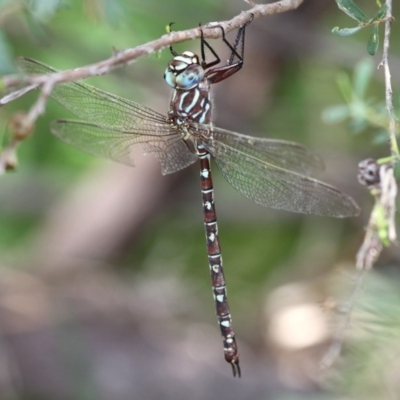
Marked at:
<point>95,105</point>
<point>114,124</point>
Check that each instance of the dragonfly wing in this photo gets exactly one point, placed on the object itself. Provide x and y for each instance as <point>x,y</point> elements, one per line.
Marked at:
<point>173,155</point>
<point>114,124</point>
<point>95,105</point>
<point>255,176</point>
<point>171,152</point>
<point>280,153</point>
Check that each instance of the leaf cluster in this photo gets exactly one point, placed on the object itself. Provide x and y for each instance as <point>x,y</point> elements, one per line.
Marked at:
<point>350,8</point>
<point>362,111</point>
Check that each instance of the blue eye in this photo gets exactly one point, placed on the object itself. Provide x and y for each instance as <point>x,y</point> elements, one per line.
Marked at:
<point>170,77</point>
<point>190,77</point>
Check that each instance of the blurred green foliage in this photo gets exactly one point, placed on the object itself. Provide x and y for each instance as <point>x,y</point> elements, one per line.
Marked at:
<point>368,364</point>
<point>362,111</point>
<point>261,247</point>
<point>67,34</point>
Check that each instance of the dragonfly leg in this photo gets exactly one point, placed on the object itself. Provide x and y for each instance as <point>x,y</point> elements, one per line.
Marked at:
<point>218,74</point>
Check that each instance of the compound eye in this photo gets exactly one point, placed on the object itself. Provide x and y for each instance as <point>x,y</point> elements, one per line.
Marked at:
<point>190,77</point>
<point>170,77</point>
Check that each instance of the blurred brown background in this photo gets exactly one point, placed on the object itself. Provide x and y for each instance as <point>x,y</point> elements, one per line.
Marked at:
<point>104,283</point>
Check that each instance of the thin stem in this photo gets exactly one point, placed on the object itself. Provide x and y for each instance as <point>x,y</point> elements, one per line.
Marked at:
<point>381,229</point>
<point>388,81</point>
<point>211,30</point>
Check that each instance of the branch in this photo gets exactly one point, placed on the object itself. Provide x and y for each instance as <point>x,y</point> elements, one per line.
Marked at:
<point>381,226</point>
<point>388,82</point>
<point>22,124</point>
<point>380,232</point>
<point>379,178</point>
<point>124,57</point>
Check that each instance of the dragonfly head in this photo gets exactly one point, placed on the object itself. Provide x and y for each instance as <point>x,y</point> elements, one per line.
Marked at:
<point>184,71</point>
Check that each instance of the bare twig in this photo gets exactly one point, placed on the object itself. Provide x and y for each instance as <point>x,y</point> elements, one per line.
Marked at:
<point>381,229</point>
<point>388,81</point>
<point>128,56</point>
<point>39,106</point>
<point>22,125</point>
<point>344,323</point>
<point>385,196</point>
<point>24,84</point>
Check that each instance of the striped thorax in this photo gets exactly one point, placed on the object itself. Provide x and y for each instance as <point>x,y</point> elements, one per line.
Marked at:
<point>190,101</point>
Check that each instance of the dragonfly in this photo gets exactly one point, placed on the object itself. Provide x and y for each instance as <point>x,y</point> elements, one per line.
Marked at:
<point>271,172</point>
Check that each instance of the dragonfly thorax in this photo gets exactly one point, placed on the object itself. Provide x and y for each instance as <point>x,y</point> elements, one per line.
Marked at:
<point>184,71</point>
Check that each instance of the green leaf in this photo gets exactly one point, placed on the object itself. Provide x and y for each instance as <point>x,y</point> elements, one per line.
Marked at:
<point>380,137</point>
<point>358,124</point>
<point>6,59</point>
<point>35,27</point>
<point>396,170</point>
<point>352,10</point>
<point>373,42</point>
<point>382,224</point>
<point>346,31</point>
<point>381,13</point>
<point>44,9</point>
<point>344,83</point>
<point>335,114</point>
<point>362,76</point>
<point>114,12</point>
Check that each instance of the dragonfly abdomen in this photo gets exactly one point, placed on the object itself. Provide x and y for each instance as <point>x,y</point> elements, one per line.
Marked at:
<point>215,262</point>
